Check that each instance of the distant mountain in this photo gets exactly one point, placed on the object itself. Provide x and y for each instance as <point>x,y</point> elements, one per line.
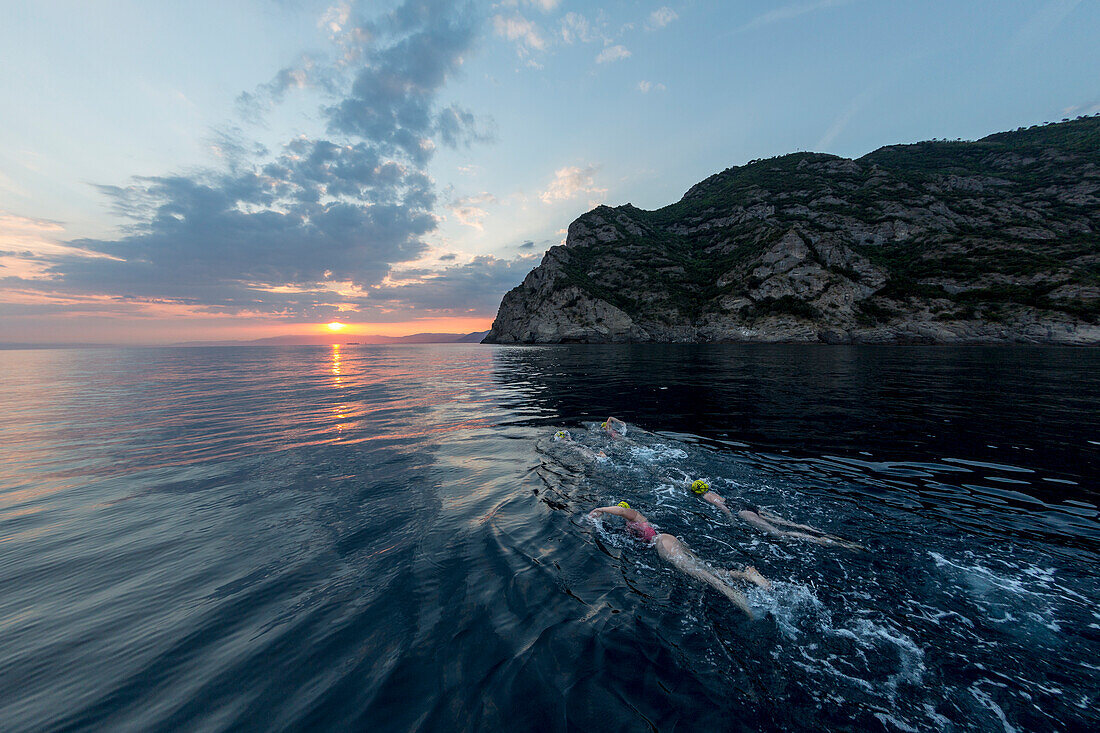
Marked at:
<point>996,240</point>
<point>473,338</point>
<point>346,339</point>
<point>24,345</point>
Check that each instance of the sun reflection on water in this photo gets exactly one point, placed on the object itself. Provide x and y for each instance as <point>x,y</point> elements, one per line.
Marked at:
<point>340,409</point>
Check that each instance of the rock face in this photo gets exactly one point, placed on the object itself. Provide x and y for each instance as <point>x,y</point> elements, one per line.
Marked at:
<point>991,241</point>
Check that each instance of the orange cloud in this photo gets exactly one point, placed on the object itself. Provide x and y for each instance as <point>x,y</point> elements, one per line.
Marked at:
<point>27,246</point>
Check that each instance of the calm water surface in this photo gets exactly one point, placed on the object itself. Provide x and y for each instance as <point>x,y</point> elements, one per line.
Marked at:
<point>386,538</point>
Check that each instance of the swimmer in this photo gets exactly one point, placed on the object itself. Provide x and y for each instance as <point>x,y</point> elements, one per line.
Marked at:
<point>770,523</point>
<point>674,552</point>
<point>563,436</point>
<point>701,488</point>
<point>614,427</point>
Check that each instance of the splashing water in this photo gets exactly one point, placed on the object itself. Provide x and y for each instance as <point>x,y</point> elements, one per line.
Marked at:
<point>885,628</point>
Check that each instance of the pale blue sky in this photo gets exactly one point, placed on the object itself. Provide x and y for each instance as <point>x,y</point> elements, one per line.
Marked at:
<point>562,105</point>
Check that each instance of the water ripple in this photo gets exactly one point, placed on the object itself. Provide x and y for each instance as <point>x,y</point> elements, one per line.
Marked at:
<point>312,538</point>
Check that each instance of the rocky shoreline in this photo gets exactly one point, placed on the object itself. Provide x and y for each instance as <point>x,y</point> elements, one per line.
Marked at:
<point>993,241</point>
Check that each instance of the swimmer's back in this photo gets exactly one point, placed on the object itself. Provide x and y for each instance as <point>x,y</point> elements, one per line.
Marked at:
<point>643,531</point>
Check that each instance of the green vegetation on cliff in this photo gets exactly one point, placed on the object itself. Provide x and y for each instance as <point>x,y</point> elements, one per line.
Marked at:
<point>963,239</point>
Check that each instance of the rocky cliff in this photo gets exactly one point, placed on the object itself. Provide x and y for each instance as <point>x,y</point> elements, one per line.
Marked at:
<point>996,240</point>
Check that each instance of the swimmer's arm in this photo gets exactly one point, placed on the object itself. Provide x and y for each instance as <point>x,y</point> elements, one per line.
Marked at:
<point>628,514</point>
<point>775,519</point>
<point>712,498</point>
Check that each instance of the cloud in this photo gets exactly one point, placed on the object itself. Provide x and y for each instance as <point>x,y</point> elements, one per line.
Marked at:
<point>546,6</point>
<point>230,146</point>
<point>478,198</point>
<point>613,53</point>
<point>271,233</point>
<point>335,18</point>
<point>468,289</point>
<point>14,227</point>
<point>529,244</point>
<point>645,87</point>
<point>319,211</point>
<point>789,12</point>
<point>570,182</point>
<point>351,36</point>
<point>661,17</point>
<point>309,72</point>
<point>1085,108</point>
<point>468,209</point>
<point>392,97</point>
<point>575,27</point>
<point>459,127</point>
<point>29,246</point>
<point>521,31</point>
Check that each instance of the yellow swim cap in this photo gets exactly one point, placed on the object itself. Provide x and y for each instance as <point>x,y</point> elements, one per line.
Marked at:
<point>603,424</point>
<point>699,486</point>
<point>560,434</point>
<point>623,504</point>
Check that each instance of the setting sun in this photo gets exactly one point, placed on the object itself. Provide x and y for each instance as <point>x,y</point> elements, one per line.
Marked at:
<point>334,326</point>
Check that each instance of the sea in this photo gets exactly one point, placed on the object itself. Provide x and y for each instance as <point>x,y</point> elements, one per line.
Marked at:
<point>390,538</point>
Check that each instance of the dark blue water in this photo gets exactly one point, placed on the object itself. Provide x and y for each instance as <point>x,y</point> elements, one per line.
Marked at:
<point>385,538</point>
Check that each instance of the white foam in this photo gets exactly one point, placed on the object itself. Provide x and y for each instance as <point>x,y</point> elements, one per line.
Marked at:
<point>615,539</point>
<point>802,618</point>
<point>984,698</point>
<point>657,452</point>
<point>890,719</point>
<point>1030,598</point>
<point>979,576</point>
<point>930,711</point>
<point>788,603</point>
<point>911,657</point>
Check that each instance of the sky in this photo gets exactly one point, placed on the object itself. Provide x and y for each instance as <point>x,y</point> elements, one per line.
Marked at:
<point>238,170</point>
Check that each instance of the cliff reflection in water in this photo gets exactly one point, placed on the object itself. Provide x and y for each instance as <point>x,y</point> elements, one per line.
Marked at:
<point>982,402</point>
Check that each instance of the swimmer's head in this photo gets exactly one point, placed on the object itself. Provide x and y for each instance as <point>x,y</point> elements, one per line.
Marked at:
<point>699,486</point>
<point>561,435</point>
<point>614,427</point>
<point>623,504</point>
